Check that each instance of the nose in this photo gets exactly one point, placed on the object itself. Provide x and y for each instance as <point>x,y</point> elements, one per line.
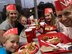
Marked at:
<point>14,14</point>
<point>15,44</point>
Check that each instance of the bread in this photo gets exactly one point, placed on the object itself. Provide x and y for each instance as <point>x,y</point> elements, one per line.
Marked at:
<point>54,40</point>
<point>30,46</point>
<point>48,28</point>
<point>27,49</point>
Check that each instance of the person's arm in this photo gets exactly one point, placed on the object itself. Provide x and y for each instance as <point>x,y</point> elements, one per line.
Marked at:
<point>2,32</point>
<point>1,36</point>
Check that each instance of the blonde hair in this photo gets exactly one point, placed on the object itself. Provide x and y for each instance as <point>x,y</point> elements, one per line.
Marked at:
<point>6,37</point>
<point>53,21</point>
<point>7,13</point>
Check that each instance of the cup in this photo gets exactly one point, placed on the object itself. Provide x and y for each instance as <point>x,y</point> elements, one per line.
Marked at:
<point>42,23</point>
<point>29,34</point>
<point>34,31</point>
<point>29,22</point>
<point>33,24</point>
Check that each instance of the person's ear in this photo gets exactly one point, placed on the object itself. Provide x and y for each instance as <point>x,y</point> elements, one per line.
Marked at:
<point>7,13</point>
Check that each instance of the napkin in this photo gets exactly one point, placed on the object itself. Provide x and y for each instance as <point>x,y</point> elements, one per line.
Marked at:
<point>47,49</point>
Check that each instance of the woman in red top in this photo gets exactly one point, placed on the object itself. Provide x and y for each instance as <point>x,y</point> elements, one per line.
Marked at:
<point>49,16</point>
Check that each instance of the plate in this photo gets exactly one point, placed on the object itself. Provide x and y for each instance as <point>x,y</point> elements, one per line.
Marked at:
<point>51,39</point>
<point>26,48</point>
<point>65,39</point>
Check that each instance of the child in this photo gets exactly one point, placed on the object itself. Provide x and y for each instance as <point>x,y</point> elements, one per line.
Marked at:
<point>49,16</point>
<point>22,23</point>
<point>23,20</point>
<point>21,27</point>
<point>10,41</point>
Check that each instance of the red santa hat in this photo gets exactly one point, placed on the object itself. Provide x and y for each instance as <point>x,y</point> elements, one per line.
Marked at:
<point>48,10</point>
<point>11,31</point>
<point>11,7</point>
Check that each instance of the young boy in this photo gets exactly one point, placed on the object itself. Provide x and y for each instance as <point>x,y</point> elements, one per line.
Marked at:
<point>22,23</point>
<point>10,41</point>
<point>23,20</point>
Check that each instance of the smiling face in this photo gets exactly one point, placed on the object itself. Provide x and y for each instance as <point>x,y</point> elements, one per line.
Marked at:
<point>13,15</point>
<point>23,20</point>
<point>48,17</point>
<point>11,43</point>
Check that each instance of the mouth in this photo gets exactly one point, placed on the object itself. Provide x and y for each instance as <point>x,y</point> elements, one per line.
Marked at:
<point>48,19</point>
<point>14,47</point>
<point>14,18</point>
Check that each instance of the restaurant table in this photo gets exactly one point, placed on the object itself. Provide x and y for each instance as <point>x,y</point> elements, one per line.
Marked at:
<point>65,39</point>
<point>23,40</point>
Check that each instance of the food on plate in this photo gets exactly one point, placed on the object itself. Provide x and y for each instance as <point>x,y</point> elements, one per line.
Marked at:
<point>45,38</point>
<point>26,49</point>
<point>47,49</point>
<point>48,28</point>
<point>54,40</point>
<point>22,52</point>
<point>30,46</point>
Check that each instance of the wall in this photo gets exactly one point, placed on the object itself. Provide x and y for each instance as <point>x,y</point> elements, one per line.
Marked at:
<point>5,2</point>
<point>25,3</point>
<point>30,3</point>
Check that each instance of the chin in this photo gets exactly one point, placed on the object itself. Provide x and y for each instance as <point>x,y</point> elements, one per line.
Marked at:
<point>14,20</point>
<point>48,20</point>
<point>13,50</point>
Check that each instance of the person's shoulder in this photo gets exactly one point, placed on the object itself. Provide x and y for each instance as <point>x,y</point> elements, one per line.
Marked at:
<point>3,50</point>
<point>4,22</point>
<point>4,25</point>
